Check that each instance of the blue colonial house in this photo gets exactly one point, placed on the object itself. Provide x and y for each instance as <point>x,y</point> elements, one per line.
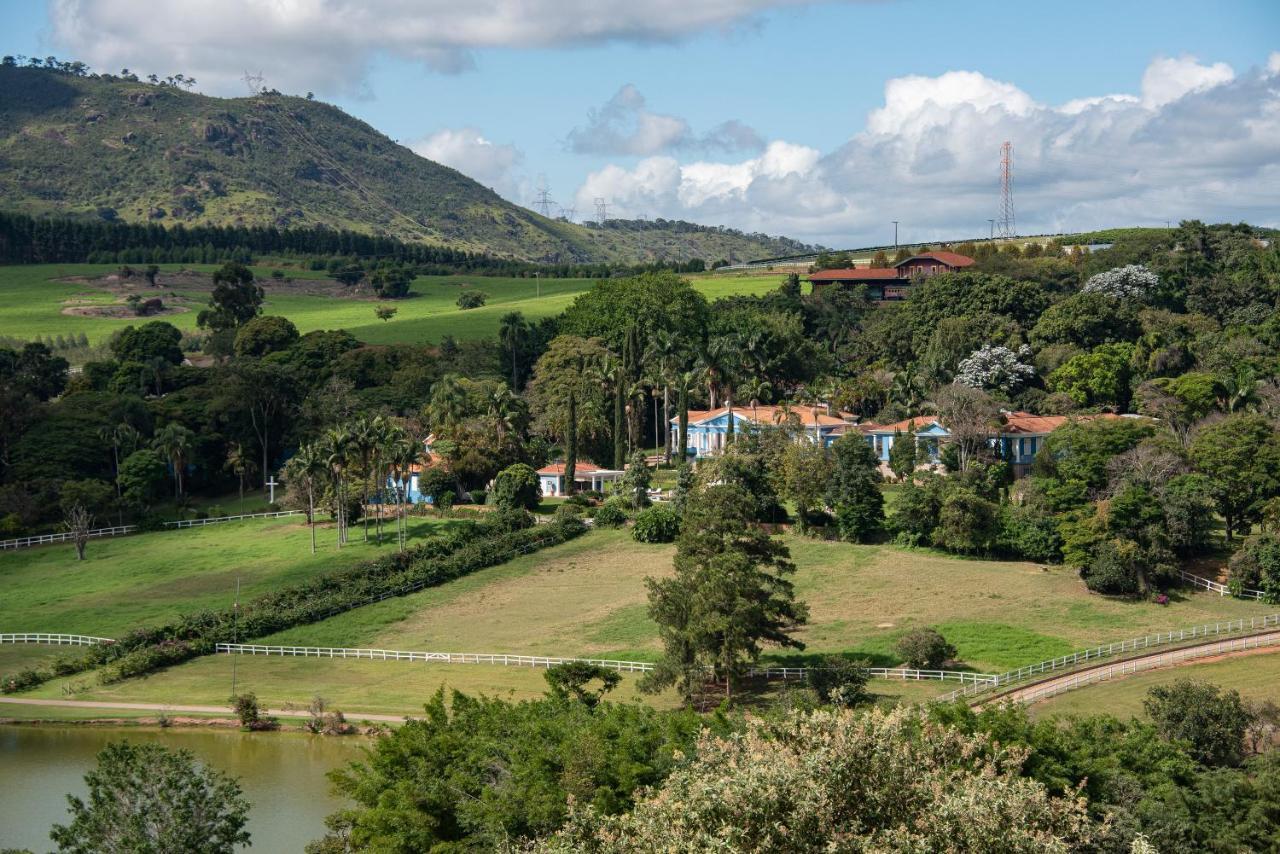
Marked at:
<point>708,428</point>
<point>1017,439</point>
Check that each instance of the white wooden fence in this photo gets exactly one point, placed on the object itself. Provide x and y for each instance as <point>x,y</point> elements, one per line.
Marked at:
<point>52,639</point>
<point>511,660</point>
<point>1220,589</point>
<point>1125,668</point>
<point>1085,656</point>
<point>119,530</point>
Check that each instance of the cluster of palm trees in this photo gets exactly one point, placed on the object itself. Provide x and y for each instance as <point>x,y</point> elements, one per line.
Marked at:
<point>371,455</point>
<point>173,442</point>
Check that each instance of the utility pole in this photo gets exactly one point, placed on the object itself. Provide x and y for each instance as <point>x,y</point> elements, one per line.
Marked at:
<point>235,635</point>
<point>537,277</point>
<point>895,234</point>
<point>993,228</point>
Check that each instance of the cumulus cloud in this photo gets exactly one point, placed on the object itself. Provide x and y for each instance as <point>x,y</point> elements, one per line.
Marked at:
<point>327,46</point>
<point>1198,141</point>
<point>1166,80</point>
<point>626,126</point>
<point>466,150</point>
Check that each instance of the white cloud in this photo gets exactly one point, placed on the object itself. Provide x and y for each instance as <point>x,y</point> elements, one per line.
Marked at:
<point>625,125</point>
<point>1199,142</point>
<point>1273,63</point>
<point>327,45</point>
<point>1166,80</point>
<point>466,150</point>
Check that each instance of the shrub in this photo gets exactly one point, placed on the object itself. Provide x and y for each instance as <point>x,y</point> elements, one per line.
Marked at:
<point>1256,566</point>
<point>472,299</point>
<point>611,514</point>
<point>567,511</point>
<point>516,486</point>
<point>1112,568</point>
<point>840,681</point>
<point>924,648</point>
<point>656,525</point>
<point>479,496</point>
<point>249,713</point>
<point>1029,534</point>
<point>967,522</point>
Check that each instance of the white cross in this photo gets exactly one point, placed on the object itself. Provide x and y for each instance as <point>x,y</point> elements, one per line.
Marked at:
<point>272,483</point>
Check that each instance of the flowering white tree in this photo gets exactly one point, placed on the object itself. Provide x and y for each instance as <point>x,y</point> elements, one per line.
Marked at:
<point>1131,282</point>
<point>996,368</point>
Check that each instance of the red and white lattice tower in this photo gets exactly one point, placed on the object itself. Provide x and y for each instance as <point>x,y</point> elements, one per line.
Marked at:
<point>1005,225</point>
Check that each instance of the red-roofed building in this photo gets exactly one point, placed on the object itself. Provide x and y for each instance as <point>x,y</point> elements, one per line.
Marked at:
<point>709,429</point>
<point>892,283</point>
<point>586,476</point>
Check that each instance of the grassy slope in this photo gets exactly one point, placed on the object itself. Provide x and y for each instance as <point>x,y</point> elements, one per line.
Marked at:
<point>587,598</point>
<point>32,298</point>
<point>76,145</point>
<point>144,579</point>
<point>1254,676</point>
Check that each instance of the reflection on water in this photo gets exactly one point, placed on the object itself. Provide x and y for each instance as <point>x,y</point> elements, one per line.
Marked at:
<point>282,774</point>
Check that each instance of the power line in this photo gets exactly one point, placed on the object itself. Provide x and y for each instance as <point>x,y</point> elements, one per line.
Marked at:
<point>568,213</point>
<point>1005,223</point>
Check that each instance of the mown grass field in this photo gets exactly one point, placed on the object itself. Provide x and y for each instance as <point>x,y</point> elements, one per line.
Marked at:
<point>1256,677</point>
<point>32,299</point>
<point>583,598</point>
<point>143,579</point>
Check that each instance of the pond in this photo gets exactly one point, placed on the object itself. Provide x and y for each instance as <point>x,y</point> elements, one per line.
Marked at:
<point>282,775</point>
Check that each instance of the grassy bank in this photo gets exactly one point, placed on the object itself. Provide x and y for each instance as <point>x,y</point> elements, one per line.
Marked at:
<point>1256,677</point>
<point>142,579</point>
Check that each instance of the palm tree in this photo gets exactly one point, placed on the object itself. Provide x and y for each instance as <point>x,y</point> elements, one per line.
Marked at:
<point>512,331</point>
<point>507,412</point>
<point>664,355</point>
<point>386,437</point>
<point>337,454</point>
<point>756,388</point>
<point>404,455</point>
<point>240,464</point>
<point>448,405</point>
<point>122,437</point>
<point>306,468</point>
<point>364,439</point>
<point>174,442</point>
<point>722,362</point>
<point>684,382</point>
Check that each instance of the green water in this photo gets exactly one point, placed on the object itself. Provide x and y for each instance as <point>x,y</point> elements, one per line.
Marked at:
<point>282,774</point>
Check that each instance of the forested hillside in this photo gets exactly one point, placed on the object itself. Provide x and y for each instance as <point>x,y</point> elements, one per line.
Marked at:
<point>114,148</point>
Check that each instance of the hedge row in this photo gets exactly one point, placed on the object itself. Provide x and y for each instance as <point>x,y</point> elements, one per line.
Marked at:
<point>498,539</point>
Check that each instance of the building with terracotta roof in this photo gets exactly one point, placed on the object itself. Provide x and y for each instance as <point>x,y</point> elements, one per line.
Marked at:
<point>892,283</point>
<point>587,476</point>
<point>708,429</point>
<point>1016,440</point>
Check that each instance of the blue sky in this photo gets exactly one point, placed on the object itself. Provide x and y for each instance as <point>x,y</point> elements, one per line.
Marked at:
<point>798,81</point>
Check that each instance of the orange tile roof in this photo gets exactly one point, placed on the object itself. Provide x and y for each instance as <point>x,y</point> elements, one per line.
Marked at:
<point>773,414</point>
<point>908,425</point>
<point>1025,422</point>
<point>855,274</point>
<point>582,467</point>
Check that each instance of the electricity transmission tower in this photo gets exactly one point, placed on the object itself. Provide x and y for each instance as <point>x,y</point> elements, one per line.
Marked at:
<point>255,82</point>
<point>568,214</point>
<point>602,209</point>
<point>1005,223</point>
<point>543,204</point>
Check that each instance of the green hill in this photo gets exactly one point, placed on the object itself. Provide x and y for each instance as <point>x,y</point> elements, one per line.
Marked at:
<point>116,148</point>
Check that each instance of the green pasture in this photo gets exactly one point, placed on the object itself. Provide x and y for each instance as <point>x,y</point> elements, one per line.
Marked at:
<point>1255,676</point>
<point>32,299</point>
<point>587,597</point>
<point>143,579</point>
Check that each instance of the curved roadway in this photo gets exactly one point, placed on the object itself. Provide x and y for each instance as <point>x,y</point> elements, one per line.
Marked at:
<point>1092,675</point>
